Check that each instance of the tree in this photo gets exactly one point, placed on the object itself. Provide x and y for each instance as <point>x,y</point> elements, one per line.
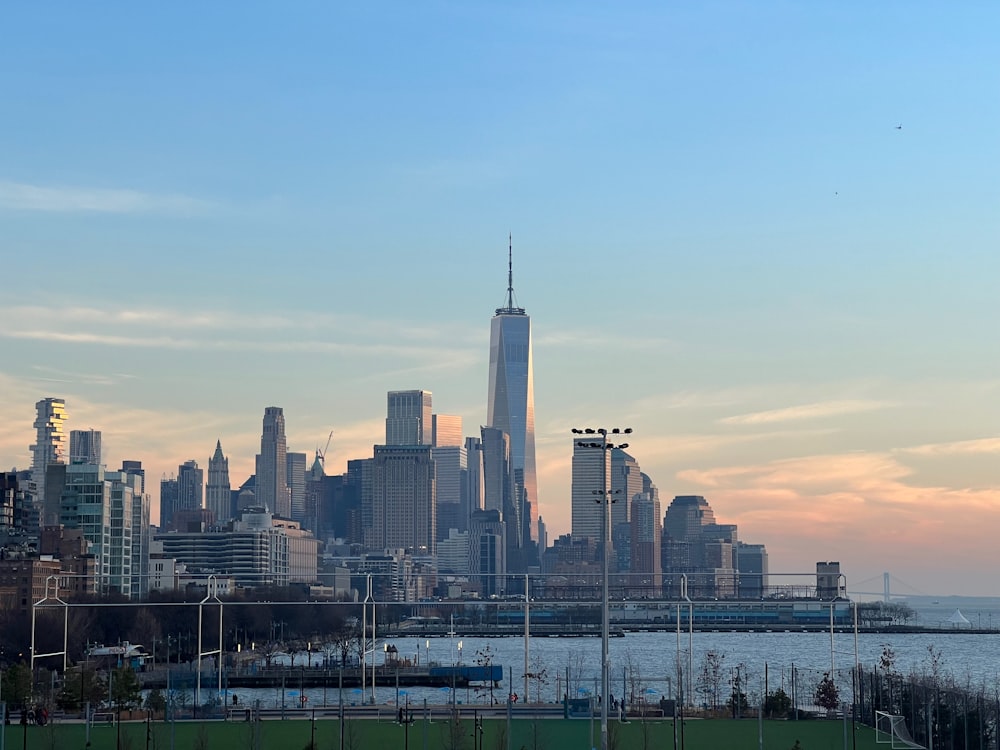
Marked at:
<point>155,701</point>
<point>17,684</point>
<point>80,686</point>
<point>126,690</point>
<point>710,677</point>
<point>484,659</point>
<point>538,675</point>
<point>777,703</point>
<point>827,695</point>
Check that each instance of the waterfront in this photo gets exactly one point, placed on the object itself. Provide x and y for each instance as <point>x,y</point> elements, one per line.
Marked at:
<point>647,663</point>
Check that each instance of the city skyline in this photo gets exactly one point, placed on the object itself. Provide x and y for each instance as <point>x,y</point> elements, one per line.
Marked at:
<point>760,236</point>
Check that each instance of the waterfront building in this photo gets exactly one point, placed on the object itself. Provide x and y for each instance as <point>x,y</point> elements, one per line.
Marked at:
<point>85,447</point>
<point>218,492</point>
<point>511,399</point>
<point>695,545</point>
<point>50,442</point>
<point>751,562</point>
<point>829,584</point>
<point>255,552</point>
<point>408,418</point>
<point>271,490</point>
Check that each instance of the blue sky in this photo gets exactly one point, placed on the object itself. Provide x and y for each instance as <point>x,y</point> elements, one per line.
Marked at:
<point>721,235</point>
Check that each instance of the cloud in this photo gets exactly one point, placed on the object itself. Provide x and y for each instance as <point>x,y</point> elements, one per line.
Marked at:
<point>818,410</point>
<point>978,446</point>
<point>19,196</point>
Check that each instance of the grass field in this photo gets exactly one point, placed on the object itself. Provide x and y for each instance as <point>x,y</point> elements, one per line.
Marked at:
<point>544,734</point>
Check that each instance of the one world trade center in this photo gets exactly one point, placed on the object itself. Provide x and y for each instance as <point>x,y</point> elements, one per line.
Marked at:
<point>511,406</point>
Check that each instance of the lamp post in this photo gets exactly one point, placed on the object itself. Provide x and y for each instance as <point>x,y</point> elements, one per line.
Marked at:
<point>597,438</point>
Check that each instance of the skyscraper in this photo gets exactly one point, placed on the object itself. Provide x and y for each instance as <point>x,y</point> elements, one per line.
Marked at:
<point>218,492</point>
<point>511,401</point>
<point>85,447</point>
<point>50,442</point>
<point>591,473</point>
<point>272,470</point>
<point>190,486</point>
<point>295,477</point>
<point>403,508</point>
<point>447,430</point>
<point>408,418</point>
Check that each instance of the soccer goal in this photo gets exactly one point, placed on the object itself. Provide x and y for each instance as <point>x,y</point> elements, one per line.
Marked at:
<point>890,729</point>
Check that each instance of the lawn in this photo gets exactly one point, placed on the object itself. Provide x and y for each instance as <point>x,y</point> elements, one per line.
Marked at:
<point>550,734</point>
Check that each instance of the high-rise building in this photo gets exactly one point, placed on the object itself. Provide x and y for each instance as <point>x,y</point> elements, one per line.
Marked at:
<point>472,490</point>
<point>487,551</point>
<point>218,491</point>
<point>511,401</point>
<point>50,443</point>
<point>85,447</point>
<point>751,562</point>
<point>591,477</point>
<point>295,478</point>
<point>447,430</point>
<point>403,510</point>
<point>272,468</point>
<point>646,530</point>
<point>190,486</point>
<point>168,502</point>
<point>451,465</point>
<point>408,418</point>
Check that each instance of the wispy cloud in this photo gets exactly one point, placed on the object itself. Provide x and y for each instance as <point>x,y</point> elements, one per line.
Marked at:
<point>817,410</point>
<point>19,196</point>
<point>958,448</point>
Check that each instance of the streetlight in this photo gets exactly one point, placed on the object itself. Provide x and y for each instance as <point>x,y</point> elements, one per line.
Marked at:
<point>606,497</point>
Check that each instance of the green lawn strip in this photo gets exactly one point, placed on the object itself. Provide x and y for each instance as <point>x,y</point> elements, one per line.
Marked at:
<point>553,734</point>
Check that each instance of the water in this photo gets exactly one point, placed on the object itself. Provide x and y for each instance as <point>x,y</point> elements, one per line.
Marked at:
<point>649,662</point>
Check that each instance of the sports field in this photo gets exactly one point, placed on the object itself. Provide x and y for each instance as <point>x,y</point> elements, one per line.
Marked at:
<point>551,734</point>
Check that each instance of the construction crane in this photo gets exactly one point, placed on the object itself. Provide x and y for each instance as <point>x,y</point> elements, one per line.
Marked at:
<point>321,454</point>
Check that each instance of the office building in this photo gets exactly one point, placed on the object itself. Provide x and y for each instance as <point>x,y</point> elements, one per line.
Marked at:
<point>451,465</point>
<point>447,430</point>
<point>408,418</point>
<point>751,562</point>
<point>168,502</point>
<point>403,508</point>
<point>511,399</point>
<point>190,487</point>
<point>271,490</point>
<point>295,478</point>
<point>591,477</point>
<point>218,492</point>
<point>85,447</point>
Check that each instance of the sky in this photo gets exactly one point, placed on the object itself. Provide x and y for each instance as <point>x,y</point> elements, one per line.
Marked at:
<point>763,235</point>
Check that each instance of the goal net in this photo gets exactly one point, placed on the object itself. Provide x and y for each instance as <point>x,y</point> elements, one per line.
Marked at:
<point>890,729</point>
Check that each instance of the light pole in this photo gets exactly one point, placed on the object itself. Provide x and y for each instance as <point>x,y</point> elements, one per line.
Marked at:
<point>597,438</point>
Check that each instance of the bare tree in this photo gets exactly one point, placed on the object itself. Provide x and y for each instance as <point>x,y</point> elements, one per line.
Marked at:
<point>710,677</point>
<point>452,732</point>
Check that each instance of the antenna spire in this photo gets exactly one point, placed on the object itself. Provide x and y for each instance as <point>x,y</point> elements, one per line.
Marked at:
<point>510,309</point>
<point>510,270</point>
